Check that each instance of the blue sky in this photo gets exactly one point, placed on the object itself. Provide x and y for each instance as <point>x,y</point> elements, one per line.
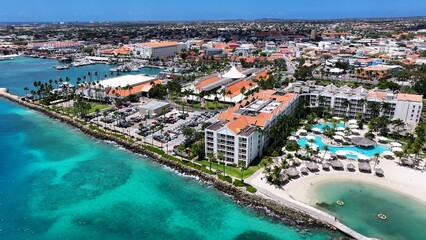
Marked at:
<point>116,10</point>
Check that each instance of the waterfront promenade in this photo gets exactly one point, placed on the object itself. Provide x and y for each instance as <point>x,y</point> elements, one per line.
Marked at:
<point>257,181</point>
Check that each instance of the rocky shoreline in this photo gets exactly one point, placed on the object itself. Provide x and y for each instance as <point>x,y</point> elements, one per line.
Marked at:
<point>261,205</point>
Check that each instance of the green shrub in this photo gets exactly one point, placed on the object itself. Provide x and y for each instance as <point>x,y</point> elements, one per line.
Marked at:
<point>251,189</point>
<point>225,178</point>
<point>239,183</point>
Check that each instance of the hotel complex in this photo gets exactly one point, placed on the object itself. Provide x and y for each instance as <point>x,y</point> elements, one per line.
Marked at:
<point>239,132</point>
<point>347,102</point>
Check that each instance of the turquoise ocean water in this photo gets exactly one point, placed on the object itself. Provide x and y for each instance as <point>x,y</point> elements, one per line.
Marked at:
<point>23,71</point>
<point>56,183</point>
<point>406,217</point>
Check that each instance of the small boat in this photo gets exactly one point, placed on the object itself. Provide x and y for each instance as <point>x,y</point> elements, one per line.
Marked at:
<point>62,67</point>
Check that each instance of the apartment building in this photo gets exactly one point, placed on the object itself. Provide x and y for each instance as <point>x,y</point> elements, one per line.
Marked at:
<point>347,102</point>
<point>238,133</point>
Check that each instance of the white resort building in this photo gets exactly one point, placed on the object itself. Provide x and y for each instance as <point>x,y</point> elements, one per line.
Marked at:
<point>347,102</point>
<point>238,133</point>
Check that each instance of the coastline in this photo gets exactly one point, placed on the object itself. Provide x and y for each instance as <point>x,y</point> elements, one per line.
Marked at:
<point>302,189</point>
<point>261,205</point>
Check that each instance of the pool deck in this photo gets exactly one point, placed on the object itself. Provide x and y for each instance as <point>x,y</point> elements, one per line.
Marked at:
<point>257,182</point>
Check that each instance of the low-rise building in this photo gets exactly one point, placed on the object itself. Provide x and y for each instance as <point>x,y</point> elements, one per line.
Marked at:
<point>157,49</point>
<point>155,108</point>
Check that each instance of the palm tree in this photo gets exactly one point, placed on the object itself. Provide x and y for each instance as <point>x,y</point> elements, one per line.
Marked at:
<point>386,107</point>
<point>211,157</point>
<point>399,155</point>
<point>398,124</point>
<point>325,148</point>
<point>242,165</point>
<point>346,103</point>
<point>362,102</point>
<point>374,108</point>
<point>376,155</point>
<point>221,157</point>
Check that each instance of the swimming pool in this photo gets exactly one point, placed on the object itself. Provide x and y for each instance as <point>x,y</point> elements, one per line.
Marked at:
<point>351,151</point>
<point>322,125</point>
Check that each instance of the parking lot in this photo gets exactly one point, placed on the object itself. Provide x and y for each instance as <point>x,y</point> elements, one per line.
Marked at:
<point>162,131</point>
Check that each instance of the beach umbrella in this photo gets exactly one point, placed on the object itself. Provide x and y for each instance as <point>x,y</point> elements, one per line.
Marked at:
<point>340,133</point>
<point>388,154</point>
<point>397,149</point>
<point>310,137</point>
<point>338,138</point>
<point>396,144</point>
<point>337,118</point>
<point>333,155</point>
<point>364,167</point>
<point>340,129</point>
<point>317,130</point>
<point>363,157</point>
<point>296,162</point>
<point>292,138</point>
<point>352,121</point>
<point>292,172</point>
<point>351,167</point>
<point>326,166</point>
<point>382,139</point>
<point>312,166</point>
<point>355,131</point>
<point>341,154</point>
<point>380,172</point>
<point>337,165</point>
<point>353,126</point>
<point>304,170</point>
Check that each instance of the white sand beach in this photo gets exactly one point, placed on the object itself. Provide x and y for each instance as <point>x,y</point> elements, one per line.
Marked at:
<point>404,180</point>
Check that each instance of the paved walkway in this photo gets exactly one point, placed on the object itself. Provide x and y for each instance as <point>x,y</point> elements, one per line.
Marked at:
<point>286,200</point>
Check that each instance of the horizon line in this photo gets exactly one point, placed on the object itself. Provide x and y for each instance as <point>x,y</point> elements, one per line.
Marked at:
<point>213,20</point>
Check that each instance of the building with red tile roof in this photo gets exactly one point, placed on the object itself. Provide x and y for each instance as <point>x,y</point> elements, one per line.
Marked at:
<point>237,133</point>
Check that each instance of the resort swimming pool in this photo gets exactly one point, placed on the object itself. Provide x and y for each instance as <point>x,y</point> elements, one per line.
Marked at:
<point>322,125</point>
<point>352,151</point>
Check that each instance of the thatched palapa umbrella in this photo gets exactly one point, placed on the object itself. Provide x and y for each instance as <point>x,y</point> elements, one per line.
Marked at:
<point>380,172</point>
<point>292,172</point>
<point>337,165</point>
<point>304,170</point>
<point>313,167</point>
<point>351,167</point>
<point>362,142</point>
<point>364,167</point>
<point>326,166</point>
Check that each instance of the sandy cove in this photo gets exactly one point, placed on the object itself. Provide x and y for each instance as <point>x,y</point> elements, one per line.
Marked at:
<point>404,180</point>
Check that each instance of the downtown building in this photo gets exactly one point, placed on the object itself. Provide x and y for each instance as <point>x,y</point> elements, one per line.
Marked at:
<point>149,50</point>
<point>238,133</point>
<point>349,102</point>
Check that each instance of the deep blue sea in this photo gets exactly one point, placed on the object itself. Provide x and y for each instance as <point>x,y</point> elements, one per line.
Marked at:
<point>56,183</point>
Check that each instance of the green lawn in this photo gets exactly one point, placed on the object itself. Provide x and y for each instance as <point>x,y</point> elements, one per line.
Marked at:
<point>234,171</point>
<point>93,107</point>
<point>99,106</point>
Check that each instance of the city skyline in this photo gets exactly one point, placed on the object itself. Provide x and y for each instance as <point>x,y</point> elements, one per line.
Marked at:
<point>168,10</point>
